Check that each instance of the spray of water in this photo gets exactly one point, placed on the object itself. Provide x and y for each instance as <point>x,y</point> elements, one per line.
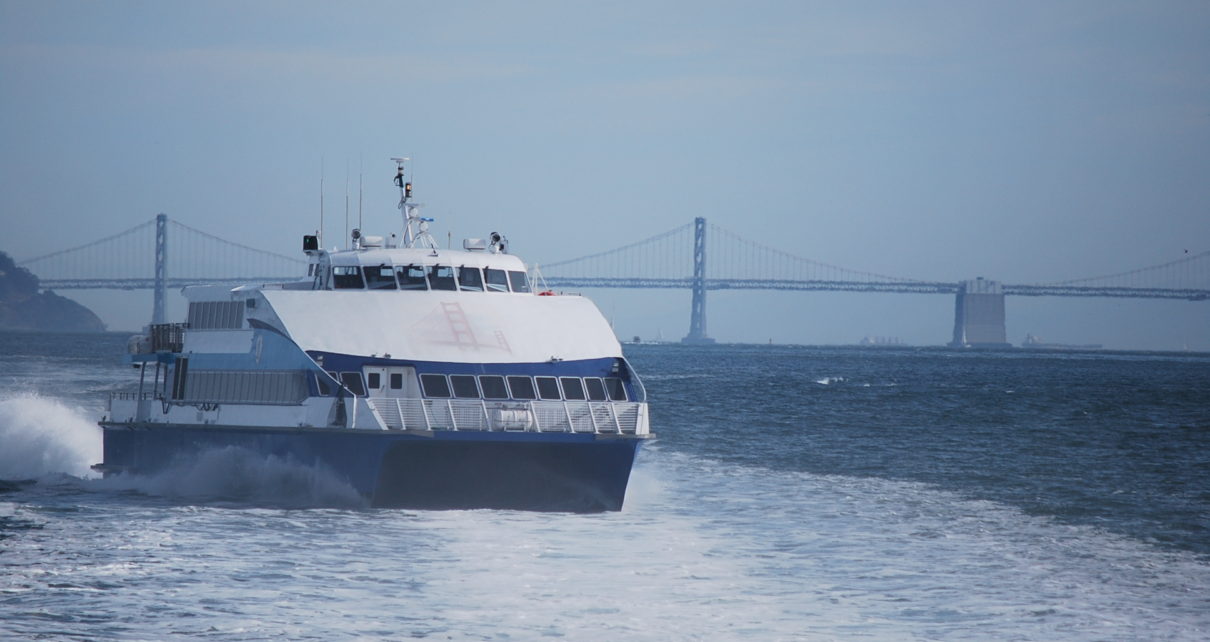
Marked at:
<point>41,436</point>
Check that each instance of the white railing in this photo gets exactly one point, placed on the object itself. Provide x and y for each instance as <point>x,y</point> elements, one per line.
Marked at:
<point>135,406</point>
<point>601,417</point>
<point>132,396</point>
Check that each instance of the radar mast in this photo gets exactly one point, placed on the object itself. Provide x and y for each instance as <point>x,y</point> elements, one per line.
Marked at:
<point>415,226</point>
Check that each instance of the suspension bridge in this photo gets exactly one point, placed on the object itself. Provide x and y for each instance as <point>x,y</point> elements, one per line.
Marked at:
<point>143,258</point>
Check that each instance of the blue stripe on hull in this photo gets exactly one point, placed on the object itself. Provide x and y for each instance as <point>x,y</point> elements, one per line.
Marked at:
<point>438,470</point>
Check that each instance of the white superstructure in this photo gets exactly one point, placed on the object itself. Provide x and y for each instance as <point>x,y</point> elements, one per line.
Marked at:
<point>390,336</point>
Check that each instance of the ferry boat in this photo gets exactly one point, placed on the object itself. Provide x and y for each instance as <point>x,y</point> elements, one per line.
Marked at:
<point>426,377</point>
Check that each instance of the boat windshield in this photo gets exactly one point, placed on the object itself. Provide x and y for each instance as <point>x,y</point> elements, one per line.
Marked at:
<point>347,277</point>
<point>411,277</point>
<point>519,281</point>
<point>441,277</point>
<point>381,277</point>
<point>470,278</point>
<point>497,280</point>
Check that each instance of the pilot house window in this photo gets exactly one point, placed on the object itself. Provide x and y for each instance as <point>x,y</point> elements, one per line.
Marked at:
<point>441,277</point>
<point>497,280</point>
<point>469,278</point>
<point>347,277</point>
<point>519,281</point>
<point>381,277</point>
<point>411,277</point>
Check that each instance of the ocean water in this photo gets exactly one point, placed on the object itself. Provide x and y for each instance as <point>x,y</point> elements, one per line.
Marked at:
<point>794,493</point>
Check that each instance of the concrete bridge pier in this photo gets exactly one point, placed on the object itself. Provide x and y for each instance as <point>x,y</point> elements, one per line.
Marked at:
<point>979,315</point>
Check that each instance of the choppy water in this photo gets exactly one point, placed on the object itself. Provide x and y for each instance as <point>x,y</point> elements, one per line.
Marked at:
<point>794,493</point>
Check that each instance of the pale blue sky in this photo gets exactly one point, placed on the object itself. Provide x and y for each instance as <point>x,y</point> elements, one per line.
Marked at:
<point>1025,142</point>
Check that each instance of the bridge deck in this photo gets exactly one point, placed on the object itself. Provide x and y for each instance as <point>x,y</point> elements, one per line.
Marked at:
<point>121,262</point>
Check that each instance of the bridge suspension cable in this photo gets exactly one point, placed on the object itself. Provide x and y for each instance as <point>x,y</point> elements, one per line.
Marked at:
<point>738,258</point>
<point>1190,272</point>
<point>113,257</point>
<point>204,256</point>
<point>126,260</point>
<point>666,260</point>
<point>664,254</point>
<point>111,237</point>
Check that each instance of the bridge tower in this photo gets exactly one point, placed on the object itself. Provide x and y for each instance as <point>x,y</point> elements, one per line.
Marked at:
<point>979,315</point>
<point>697,314</point>
<point>161,268</point>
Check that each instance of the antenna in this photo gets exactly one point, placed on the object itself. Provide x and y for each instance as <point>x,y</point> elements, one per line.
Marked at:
<point>321,202</point>
<point>346,199</point>
<point>360,172</point>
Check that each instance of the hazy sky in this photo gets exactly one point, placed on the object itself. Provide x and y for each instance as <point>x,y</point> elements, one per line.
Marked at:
<point>1024,141</point>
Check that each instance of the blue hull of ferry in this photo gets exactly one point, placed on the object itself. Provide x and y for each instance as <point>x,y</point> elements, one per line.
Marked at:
<point>429,470</point>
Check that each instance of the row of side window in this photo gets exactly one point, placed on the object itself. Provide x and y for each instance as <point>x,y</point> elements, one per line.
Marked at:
<point>522,387</point>
<point>519,387</point>
<point>428,277</point>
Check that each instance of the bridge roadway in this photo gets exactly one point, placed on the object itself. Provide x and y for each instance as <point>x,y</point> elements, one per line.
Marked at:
<point>979,304</point>
<point>686,283</point>
<point>149,283</point>
<point>906,287</point>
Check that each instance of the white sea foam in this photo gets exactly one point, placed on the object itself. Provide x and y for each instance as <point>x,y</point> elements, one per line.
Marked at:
<point>704,550</point>
<point>237,475</point>
<point>42,436</point>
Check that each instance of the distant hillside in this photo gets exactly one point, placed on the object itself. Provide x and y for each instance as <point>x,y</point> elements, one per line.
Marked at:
<point>22,307</point>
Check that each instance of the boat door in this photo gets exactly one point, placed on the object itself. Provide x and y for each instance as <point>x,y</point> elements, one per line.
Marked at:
<point>392,382</point>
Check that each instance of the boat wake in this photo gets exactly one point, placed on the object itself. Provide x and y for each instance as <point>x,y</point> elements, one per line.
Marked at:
<point>803,556</point>
<point>236,476</point>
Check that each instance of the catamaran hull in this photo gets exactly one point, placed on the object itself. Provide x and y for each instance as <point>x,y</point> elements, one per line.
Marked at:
<point>409,469</point>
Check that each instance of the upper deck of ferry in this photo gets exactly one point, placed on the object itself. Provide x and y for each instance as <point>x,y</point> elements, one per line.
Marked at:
<point>413,262</point>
